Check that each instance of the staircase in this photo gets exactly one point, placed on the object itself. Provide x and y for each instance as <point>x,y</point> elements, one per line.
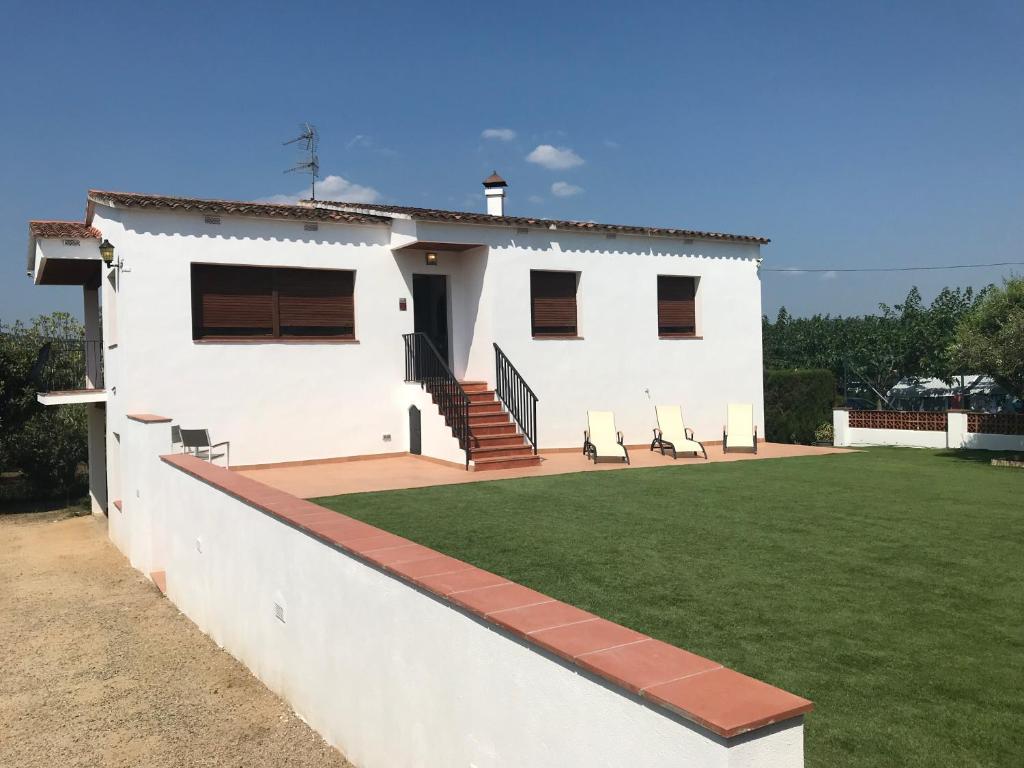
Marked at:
<point>495,442</point>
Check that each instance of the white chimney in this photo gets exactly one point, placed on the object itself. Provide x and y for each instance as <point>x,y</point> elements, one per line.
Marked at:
<point>494,191</point>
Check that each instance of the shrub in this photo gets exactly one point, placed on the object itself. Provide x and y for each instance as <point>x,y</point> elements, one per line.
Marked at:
<point>796,403</point>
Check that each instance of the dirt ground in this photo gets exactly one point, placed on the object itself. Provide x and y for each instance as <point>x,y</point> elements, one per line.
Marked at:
<point>98,669</point>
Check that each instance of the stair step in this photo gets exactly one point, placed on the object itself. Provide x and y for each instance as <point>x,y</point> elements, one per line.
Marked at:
<point>500,451</point>
<point>483,396</point>
<point>501,439</point>
<point>510,462</point>
<point>487,407</point>
<point>494,429</point>
<point>497,417</point>
<point>474,386</point>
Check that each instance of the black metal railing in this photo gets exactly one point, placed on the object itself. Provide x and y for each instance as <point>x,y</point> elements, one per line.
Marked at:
<point>68,365</point>
<point>516,394</point>
<point>423,364</point>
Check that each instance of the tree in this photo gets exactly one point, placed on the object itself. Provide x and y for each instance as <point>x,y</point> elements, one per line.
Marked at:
<point>907,339</point>
<point>990,338</point>
<point>46,443</point>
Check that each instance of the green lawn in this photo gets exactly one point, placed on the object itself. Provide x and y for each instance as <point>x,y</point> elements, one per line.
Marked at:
<point>887,586</point>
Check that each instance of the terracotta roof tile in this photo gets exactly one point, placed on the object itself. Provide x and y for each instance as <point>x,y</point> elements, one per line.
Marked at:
<point>229,207</point>
<point>468,217</point>
<point>73,230</point>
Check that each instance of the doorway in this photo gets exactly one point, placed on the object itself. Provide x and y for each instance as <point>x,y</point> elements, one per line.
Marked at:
<point>430,310</point>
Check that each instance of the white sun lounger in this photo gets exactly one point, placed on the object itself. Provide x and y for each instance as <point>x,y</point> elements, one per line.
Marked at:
<point>672,435</point>
<point>601,440</point>
<point>740,432</point>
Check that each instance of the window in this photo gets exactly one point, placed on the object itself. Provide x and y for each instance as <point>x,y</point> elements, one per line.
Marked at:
<point>270,302</point>
<point>677,310</point>
<point>553,304</point>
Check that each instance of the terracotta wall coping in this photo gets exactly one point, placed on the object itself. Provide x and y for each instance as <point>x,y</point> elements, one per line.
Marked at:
<point>148,418</point>
<point>700,690</point>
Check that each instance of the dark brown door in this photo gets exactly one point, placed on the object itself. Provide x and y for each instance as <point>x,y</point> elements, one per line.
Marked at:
<point>430,310</point>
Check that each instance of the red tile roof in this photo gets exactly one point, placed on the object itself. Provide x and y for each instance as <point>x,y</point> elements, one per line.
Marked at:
<point>468,217</point>
<point>71,230</point>
<point>702,691</point>
<point>230,207</point>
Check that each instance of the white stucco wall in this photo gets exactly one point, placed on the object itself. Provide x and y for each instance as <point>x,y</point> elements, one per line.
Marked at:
<point>394,677</point>
<point>286,402</point>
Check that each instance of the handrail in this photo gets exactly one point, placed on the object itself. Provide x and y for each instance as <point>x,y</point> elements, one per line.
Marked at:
<point>516,394</point>
<point>68,364</point>
<point>423,364</point>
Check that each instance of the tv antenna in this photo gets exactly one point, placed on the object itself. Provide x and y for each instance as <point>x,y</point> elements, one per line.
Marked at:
<point>310,162</point>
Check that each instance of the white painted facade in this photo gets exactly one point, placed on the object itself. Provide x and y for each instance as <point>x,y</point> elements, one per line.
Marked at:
<point>287,402</point>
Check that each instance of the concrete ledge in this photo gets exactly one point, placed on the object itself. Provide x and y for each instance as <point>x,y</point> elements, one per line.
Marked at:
<point>149,418</point>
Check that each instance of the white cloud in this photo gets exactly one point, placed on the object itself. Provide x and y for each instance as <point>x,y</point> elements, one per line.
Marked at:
<point>611,144</point>
<point>565,189</point>
<point>830,275</point>
<point>554,158</point>
<point>499,134</point>
<point>330,188</point>
<point>535,199</point>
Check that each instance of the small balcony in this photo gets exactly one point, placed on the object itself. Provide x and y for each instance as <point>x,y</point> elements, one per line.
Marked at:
<point>70,371</point>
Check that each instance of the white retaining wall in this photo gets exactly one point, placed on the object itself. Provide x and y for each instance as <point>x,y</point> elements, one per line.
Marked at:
<point>389,674</point>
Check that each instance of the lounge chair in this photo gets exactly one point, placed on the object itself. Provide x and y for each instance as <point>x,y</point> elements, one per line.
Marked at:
<point>672,435</point>
<point>740,432</point>
<point>197,442</point>
<point>601,440</point>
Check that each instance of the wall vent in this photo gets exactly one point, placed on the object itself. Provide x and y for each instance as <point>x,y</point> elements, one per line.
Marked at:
<point>522,230</point>
<point>688,241</point>
<point>611,236</point>
<point>72,242</point>
<point>311,227</point>
<point>211,219</point>
<point>279,612</point>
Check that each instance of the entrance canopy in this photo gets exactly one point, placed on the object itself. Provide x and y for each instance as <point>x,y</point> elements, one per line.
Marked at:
<point>64,253</point>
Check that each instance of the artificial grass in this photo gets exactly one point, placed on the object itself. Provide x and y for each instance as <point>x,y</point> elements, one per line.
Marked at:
<point>886,585</point>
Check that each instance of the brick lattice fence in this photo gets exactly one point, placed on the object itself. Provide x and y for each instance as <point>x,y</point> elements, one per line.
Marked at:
<point>914,421</point>
<point>995,423</point>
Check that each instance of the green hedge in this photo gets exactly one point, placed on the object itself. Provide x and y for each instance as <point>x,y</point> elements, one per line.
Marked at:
<point>796,403</point>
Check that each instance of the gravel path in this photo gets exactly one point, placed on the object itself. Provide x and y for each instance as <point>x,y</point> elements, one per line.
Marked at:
<point>98,669</point>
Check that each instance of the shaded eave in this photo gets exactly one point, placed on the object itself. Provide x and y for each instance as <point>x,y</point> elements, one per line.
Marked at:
<point>210,206</point>
<point>483,219</point>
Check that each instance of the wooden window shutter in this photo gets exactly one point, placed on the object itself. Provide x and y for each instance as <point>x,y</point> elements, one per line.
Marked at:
<point>553,303</point>
<point>232,301</point>
<point>677,310</point>
<point>315,302</point>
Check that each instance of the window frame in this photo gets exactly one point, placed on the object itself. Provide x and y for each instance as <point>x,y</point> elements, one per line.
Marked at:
<point>274,274</point>
<point>576,275</point>
<point>675,335</point>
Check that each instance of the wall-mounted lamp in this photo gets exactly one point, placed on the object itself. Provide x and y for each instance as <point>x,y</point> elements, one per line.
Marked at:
<point>107,252</point>
<point>431,259</point>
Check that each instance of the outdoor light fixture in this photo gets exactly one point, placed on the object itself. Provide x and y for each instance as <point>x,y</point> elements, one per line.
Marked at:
<point>431,259</point>
<point>107,252</point>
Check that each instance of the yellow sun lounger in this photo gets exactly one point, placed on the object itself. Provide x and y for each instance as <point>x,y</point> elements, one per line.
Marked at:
<point>672,435</point>
<point>601,440</point>
<point>740,432</point>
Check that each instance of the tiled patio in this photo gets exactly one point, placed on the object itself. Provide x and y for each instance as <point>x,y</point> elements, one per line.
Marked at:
<point>332,478</point>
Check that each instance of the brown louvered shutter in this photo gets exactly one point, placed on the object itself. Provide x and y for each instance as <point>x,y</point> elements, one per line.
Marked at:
<point>232,301</point>
<point>553,303</point>
<point>316,302</point>
<point>677,312</point>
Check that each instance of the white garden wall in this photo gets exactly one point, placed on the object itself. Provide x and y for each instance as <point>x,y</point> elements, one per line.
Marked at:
<point>956,435</point>
<point>392,675</point>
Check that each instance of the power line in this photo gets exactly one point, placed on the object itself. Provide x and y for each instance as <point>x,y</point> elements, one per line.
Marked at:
<point>891,269</point>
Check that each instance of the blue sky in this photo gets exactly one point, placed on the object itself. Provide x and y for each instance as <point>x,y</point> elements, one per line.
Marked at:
<point>854,134</point>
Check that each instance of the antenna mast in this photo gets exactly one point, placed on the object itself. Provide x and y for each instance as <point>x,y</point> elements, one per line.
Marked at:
<point>310,162</point>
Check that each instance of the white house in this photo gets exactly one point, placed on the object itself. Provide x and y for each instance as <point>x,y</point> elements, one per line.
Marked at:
<point>299,332</point>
